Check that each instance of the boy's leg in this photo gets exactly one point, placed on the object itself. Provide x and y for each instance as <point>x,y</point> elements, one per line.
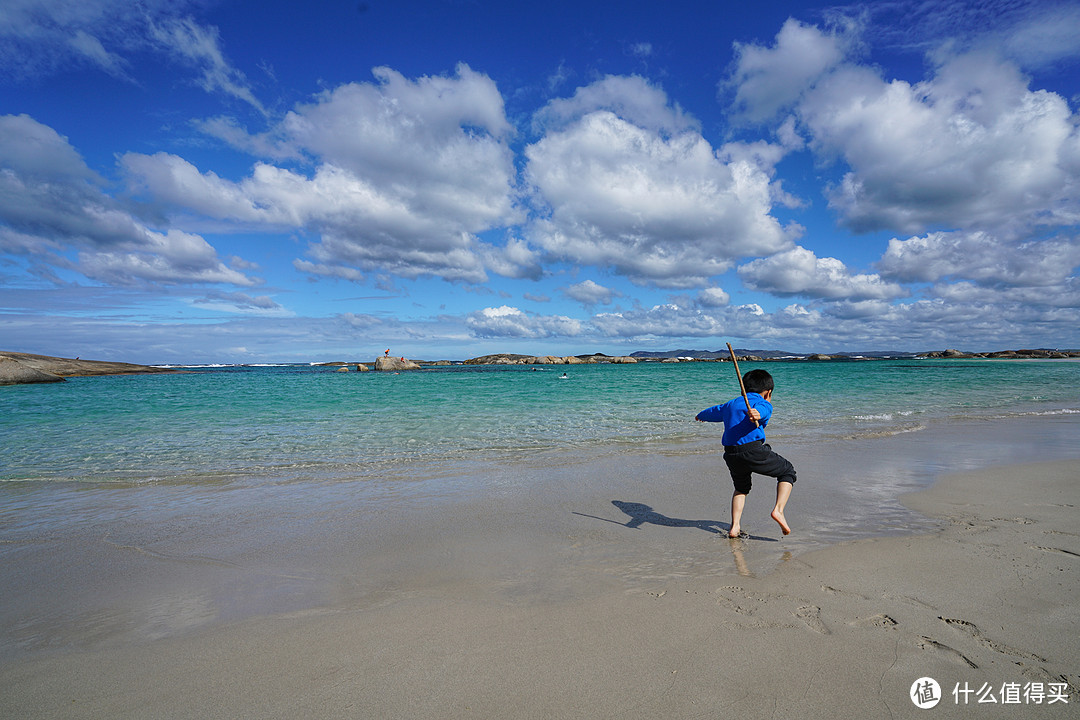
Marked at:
<point>767,462</point>
<point>740,478</point>
<point>783,492</point>
<point>738,502</point>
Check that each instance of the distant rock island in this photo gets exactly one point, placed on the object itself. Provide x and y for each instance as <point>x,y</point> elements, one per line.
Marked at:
<point>393,364</point>
<point>17,368</point>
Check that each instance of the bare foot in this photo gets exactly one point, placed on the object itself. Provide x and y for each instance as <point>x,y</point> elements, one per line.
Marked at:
<point>734,533</point>
<point>781,521</point>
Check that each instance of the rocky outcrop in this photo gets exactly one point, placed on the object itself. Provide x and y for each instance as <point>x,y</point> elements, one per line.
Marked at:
<point>499,359</point>
<point>67,367</point>
<point>554,360</point>
<point>509,359</point>
<point>393,364</point>
<point>950,354</point>
<point>1037,354</point>
<point>13,372</point>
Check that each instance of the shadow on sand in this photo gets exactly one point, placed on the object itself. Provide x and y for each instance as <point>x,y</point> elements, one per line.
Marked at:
<point>640,514</point>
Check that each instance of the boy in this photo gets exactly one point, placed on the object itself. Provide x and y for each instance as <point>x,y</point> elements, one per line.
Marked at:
<point>745,450</point>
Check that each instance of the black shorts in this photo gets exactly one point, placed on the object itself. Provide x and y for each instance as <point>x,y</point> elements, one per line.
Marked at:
<point>756,457</point>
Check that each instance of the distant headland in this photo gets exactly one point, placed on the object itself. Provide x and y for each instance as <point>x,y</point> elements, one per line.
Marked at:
<point>763,356</point>
<point>1040,353</point>
<point>19,368</point>
<point>676,356</point>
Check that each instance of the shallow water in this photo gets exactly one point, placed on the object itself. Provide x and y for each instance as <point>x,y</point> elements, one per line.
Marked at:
<point>284,423</point>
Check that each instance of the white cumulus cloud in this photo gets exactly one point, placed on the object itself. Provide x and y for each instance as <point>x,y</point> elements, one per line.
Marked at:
<point>631,97</point>
<point>588,292</point>
<point>53,207</point>
<point>407,172</point>
<point>983,258</point>
<point>800,272</point>
<point>657,206</point>
<point>769,79</point>
<point>713,297</point>
<point>971,147</point>
<point>506,321</point>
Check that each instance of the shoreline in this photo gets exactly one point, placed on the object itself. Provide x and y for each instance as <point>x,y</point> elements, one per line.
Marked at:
<point>574,596</point>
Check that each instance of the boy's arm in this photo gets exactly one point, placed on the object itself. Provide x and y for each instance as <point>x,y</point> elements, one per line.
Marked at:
<point>762,410</point>
<point>710,415</point>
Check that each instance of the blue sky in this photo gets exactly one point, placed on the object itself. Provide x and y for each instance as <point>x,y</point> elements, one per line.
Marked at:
<point>231,181</point>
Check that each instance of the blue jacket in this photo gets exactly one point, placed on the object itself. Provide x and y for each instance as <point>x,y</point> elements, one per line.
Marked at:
<point>738,427</point>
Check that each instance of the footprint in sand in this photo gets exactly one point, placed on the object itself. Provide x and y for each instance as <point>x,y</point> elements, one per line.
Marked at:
<point>771,609</point>
<point>926,643</point>
<point>1054,549</point>
<point>1041,674</point>
<point>811,615</point>
<point>881,621</point>
<point>972,630</point>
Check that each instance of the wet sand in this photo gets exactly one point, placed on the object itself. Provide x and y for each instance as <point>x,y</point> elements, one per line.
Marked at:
<point>595,589</point>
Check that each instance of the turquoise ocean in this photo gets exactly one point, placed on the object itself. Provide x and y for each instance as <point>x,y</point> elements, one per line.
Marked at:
<point>277,424</point>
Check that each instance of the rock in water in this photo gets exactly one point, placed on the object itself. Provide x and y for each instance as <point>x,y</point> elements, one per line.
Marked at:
<point>392,363</point>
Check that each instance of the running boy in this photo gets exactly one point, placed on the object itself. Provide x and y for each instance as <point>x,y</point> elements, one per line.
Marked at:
<point>745,450</point>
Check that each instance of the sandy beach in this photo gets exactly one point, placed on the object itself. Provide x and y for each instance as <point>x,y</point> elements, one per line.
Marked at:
<point>602,589</point>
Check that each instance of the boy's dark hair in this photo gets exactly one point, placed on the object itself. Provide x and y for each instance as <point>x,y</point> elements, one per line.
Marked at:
<point>757,381</point>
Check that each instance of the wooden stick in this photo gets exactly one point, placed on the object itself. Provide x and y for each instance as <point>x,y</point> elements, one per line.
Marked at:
<point>741,386</point>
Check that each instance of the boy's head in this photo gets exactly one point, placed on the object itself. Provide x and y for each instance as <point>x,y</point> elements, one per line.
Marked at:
<point>758,381</point>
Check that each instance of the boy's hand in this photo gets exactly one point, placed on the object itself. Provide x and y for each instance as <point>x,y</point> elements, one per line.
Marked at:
<point>754,415</point>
